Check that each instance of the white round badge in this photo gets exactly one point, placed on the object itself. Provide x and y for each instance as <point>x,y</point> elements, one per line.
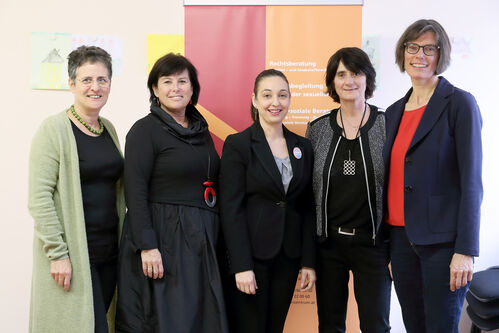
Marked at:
<point>297,153</point>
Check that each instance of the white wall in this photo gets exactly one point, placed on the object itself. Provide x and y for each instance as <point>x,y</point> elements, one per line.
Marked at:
<point>22,109</point>
<point>475,70</point>
<point>474,27</point>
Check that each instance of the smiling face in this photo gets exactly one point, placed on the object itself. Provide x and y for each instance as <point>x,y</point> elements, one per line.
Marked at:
<point>272,100</point>
<point>419,66</point>
<point>174,91</point>
<point>349,86</point>
<point>91,87</point>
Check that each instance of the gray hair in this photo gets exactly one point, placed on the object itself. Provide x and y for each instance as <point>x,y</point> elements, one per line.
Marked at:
<point>90,54</point>
<point>417,29</point>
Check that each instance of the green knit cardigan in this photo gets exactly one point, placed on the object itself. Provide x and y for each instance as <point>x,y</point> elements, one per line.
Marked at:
<point>55,203</point>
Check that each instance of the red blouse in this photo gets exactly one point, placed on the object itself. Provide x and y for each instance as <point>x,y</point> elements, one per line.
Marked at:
<point>407,128</point>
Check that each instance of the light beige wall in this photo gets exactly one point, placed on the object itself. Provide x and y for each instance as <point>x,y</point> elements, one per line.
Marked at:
<point>22,109</point>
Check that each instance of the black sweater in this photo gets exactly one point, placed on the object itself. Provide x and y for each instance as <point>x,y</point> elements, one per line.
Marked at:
<point>166,163</point>
<point>101,166</point>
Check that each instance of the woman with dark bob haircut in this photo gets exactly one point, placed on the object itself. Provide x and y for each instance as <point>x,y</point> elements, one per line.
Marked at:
<point>348,188</point>
<point>169,280</point>
<point>433,163</point>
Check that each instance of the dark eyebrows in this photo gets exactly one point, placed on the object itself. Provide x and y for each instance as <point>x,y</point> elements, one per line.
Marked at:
<point>171,77</point>
<point>264,90</point>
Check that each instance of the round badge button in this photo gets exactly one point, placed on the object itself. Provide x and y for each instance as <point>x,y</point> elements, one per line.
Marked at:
<point>297,153</point>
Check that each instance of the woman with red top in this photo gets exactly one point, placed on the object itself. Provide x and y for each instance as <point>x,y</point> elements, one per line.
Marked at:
<point>433,161</point>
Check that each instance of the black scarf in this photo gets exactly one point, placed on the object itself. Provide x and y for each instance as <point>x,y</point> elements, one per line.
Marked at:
<point>194,134</point>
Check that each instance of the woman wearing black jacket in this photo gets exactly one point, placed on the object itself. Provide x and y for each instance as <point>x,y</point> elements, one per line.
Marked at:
<point>348,188</point>
<point>267,211</point>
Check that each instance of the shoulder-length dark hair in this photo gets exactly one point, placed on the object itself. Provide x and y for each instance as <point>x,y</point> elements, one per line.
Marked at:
<point>417,29</point>
<point>356,61</point>
<point>170,64</point>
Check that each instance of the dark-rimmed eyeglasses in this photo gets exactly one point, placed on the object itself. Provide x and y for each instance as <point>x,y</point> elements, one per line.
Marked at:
<point>428,49</point>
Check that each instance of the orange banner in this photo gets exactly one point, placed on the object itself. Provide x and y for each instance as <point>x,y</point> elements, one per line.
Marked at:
<point>299,42</point>
<point>230,45</point>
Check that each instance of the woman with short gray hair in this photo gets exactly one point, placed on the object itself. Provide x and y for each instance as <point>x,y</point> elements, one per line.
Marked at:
<point>77,202</point>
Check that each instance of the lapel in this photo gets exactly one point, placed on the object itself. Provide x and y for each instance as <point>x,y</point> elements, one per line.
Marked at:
<point>296,165</point>
<point>262,150</point>
<point>393,117</point>
<point>434,109</point>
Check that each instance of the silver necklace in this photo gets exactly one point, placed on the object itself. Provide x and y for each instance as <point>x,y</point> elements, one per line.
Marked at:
<point>349,165</point>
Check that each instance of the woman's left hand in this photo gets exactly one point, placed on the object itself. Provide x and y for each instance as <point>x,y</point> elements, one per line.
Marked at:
<point>461,270</point>
<point>61,271</point>
<point>152,264</point>
<point>308,278</point>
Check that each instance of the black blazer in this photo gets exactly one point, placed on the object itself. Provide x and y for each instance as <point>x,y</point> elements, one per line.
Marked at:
<point>258,217</point>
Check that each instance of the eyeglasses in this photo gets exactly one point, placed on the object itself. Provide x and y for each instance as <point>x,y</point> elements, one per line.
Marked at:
<point>429,49</point>
<point>101,81</point>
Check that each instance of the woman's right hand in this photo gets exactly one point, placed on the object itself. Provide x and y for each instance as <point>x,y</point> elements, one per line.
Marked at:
<point>152,265</point>
<point>61,272</point>
<point>246,282</point>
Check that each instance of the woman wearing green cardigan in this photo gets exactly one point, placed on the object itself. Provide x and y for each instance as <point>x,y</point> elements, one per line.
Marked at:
<point>77,203</point>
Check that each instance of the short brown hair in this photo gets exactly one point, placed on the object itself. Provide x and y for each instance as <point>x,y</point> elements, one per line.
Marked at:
<point>417,29</point>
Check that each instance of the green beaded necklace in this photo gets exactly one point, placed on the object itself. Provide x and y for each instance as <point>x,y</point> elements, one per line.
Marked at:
<point>84,123</point>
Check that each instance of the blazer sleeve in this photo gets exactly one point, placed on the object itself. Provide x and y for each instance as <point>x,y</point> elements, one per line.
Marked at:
<point>139,163</point>
<point>44,163</point>
<point>308,257</point>
<point>468,138</point>
<point>232,182</point>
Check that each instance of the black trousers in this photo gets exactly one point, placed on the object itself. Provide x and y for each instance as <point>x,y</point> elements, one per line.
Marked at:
<point>372,284</point>
<point>266,311</point>
<point>103,287</point>
<point>421,276</point>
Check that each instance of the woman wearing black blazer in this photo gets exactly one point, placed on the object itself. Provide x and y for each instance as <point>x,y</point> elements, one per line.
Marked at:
<point>267,211</point>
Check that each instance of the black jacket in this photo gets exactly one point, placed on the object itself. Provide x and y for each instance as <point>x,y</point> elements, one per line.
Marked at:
<point>258,217</point>
<point>324,140</point>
